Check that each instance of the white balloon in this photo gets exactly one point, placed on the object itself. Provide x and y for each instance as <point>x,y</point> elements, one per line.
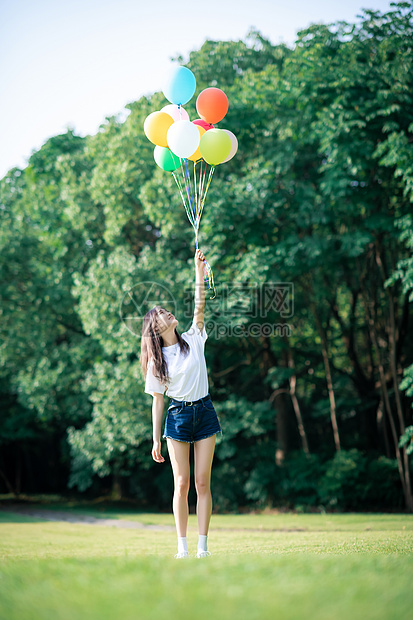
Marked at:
<point>183,138</point>
<point>177,112</point>
<point>234,145</point>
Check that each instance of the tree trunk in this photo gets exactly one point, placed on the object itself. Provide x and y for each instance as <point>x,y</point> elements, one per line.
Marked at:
<point>393,366</point>
<point>282,428</point>
<point>331,397</point>
<point>382,426</point>
<point>18,478</point>
<point>294,400</point>
<point>385,395</point>
<point>268,361</point>
<point>329,379</point>
<point>7,483</point>
<point>116,492</point>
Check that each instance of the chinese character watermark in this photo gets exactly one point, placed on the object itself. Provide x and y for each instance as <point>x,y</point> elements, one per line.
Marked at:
<point>239,310</point>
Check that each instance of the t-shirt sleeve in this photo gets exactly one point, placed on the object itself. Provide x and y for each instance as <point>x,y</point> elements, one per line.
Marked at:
<point>152,384</point>
<point>195,332</point>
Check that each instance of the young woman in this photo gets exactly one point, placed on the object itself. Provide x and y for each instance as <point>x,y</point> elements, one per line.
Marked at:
<point>177,362</point>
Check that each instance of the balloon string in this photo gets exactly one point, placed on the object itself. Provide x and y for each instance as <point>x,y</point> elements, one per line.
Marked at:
<point>178,182</point>
<point>188,212</point>
<point>194,204</point>
<point>202,181</point>
<point>203,188</point>
<point>211,172</point>
<point>201,184</point>
<point>198,217</point>
<point>200,187</point>
<point>195,186</point>
<point>197,220</point>
<point>187,179</point>
<point>209,277</point>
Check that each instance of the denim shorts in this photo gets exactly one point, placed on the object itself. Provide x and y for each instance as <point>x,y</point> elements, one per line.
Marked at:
<point>191,422</point>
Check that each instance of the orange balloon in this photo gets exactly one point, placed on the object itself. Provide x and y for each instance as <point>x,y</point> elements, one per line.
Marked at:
<point>197,155</point>
<point>212,105</point>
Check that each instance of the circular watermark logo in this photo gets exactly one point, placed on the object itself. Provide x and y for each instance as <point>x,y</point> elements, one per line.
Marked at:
<point>140,299</point>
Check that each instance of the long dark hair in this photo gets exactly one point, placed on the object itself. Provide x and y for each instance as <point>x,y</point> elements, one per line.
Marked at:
<point>151,347</point>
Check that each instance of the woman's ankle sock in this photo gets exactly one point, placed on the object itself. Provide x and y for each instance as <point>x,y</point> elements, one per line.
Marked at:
<point>202,543</point>
<point>182,545</point>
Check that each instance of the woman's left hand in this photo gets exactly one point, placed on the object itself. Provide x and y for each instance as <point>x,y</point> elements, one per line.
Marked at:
<point>199,259</point>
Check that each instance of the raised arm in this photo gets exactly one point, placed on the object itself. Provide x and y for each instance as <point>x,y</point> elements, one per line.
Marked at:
<point>199,311</point>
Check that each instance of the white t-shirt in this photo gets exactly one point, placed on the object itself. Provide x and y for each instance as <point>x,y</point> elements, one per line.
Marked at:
<point>188,374</point>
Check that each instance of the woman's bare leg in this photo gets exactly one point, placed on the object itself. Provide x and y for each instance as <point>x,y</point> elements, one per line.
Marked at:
<point>179,455</point>
<point>203,454</point>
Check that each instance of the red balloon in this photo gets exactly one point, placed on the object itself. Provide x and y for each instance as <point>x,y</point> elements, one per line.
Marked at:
<point>203,124</point>
<point>212,105</point>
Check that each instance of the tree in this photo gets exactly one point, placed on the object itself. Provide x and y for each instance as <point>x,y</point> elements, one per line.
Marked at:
<point>317,202</point>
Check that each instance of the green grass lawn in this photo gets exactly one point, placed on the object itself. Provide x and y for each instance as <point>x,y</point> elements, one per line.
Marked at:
<point>278,566</point>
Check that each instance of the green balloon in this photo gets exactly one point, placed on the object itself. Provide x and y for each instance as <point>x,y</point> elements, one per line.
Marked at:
<point>215,146</point>
<point>165,159</point>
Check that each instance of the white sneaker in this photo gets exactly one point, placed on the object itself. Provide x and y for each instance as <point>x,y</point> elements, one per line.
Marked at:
<point>203,554</point>
<point>182,554</point>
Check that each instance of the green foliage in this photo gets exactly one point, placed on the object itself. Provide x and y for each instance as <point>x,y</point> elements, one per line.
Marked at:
<point>353,482</point>
<point>110,441</point>
<point>319,196</point>
<point>407,439</point>
<point>299,480</point>
<point>343,482</point>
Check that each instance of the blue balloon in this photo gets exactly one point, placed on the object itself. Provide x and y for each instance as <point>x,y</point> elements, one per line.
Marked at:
<point>180,85</point>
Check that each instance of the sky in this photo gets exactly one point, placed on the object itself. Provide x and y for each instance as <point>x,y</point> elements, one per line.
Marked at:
<point>72,63</point>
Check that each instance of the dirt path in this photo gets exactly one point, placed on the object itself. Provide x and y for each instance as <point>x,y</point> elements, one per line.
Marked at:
<point>70,517</point>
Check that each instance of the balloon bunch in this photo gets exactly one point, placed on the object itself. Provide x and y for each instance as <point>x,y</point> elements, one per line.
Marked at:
<point>179,141</point>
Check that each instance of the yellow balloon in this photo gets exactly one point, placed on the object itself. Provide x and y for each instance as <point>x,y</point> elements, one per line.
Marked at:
<point>197,155</point>
<point>156,127</point>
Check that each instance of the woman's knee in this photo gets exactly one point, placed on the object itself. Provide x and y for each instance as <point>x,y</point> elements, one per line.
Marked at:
<point>182,485</point>
<point>202,484</point>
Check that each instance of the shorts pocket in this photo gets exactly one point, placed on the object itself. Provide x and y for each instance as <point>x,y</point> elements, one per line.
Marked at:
<point>174,409</point>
